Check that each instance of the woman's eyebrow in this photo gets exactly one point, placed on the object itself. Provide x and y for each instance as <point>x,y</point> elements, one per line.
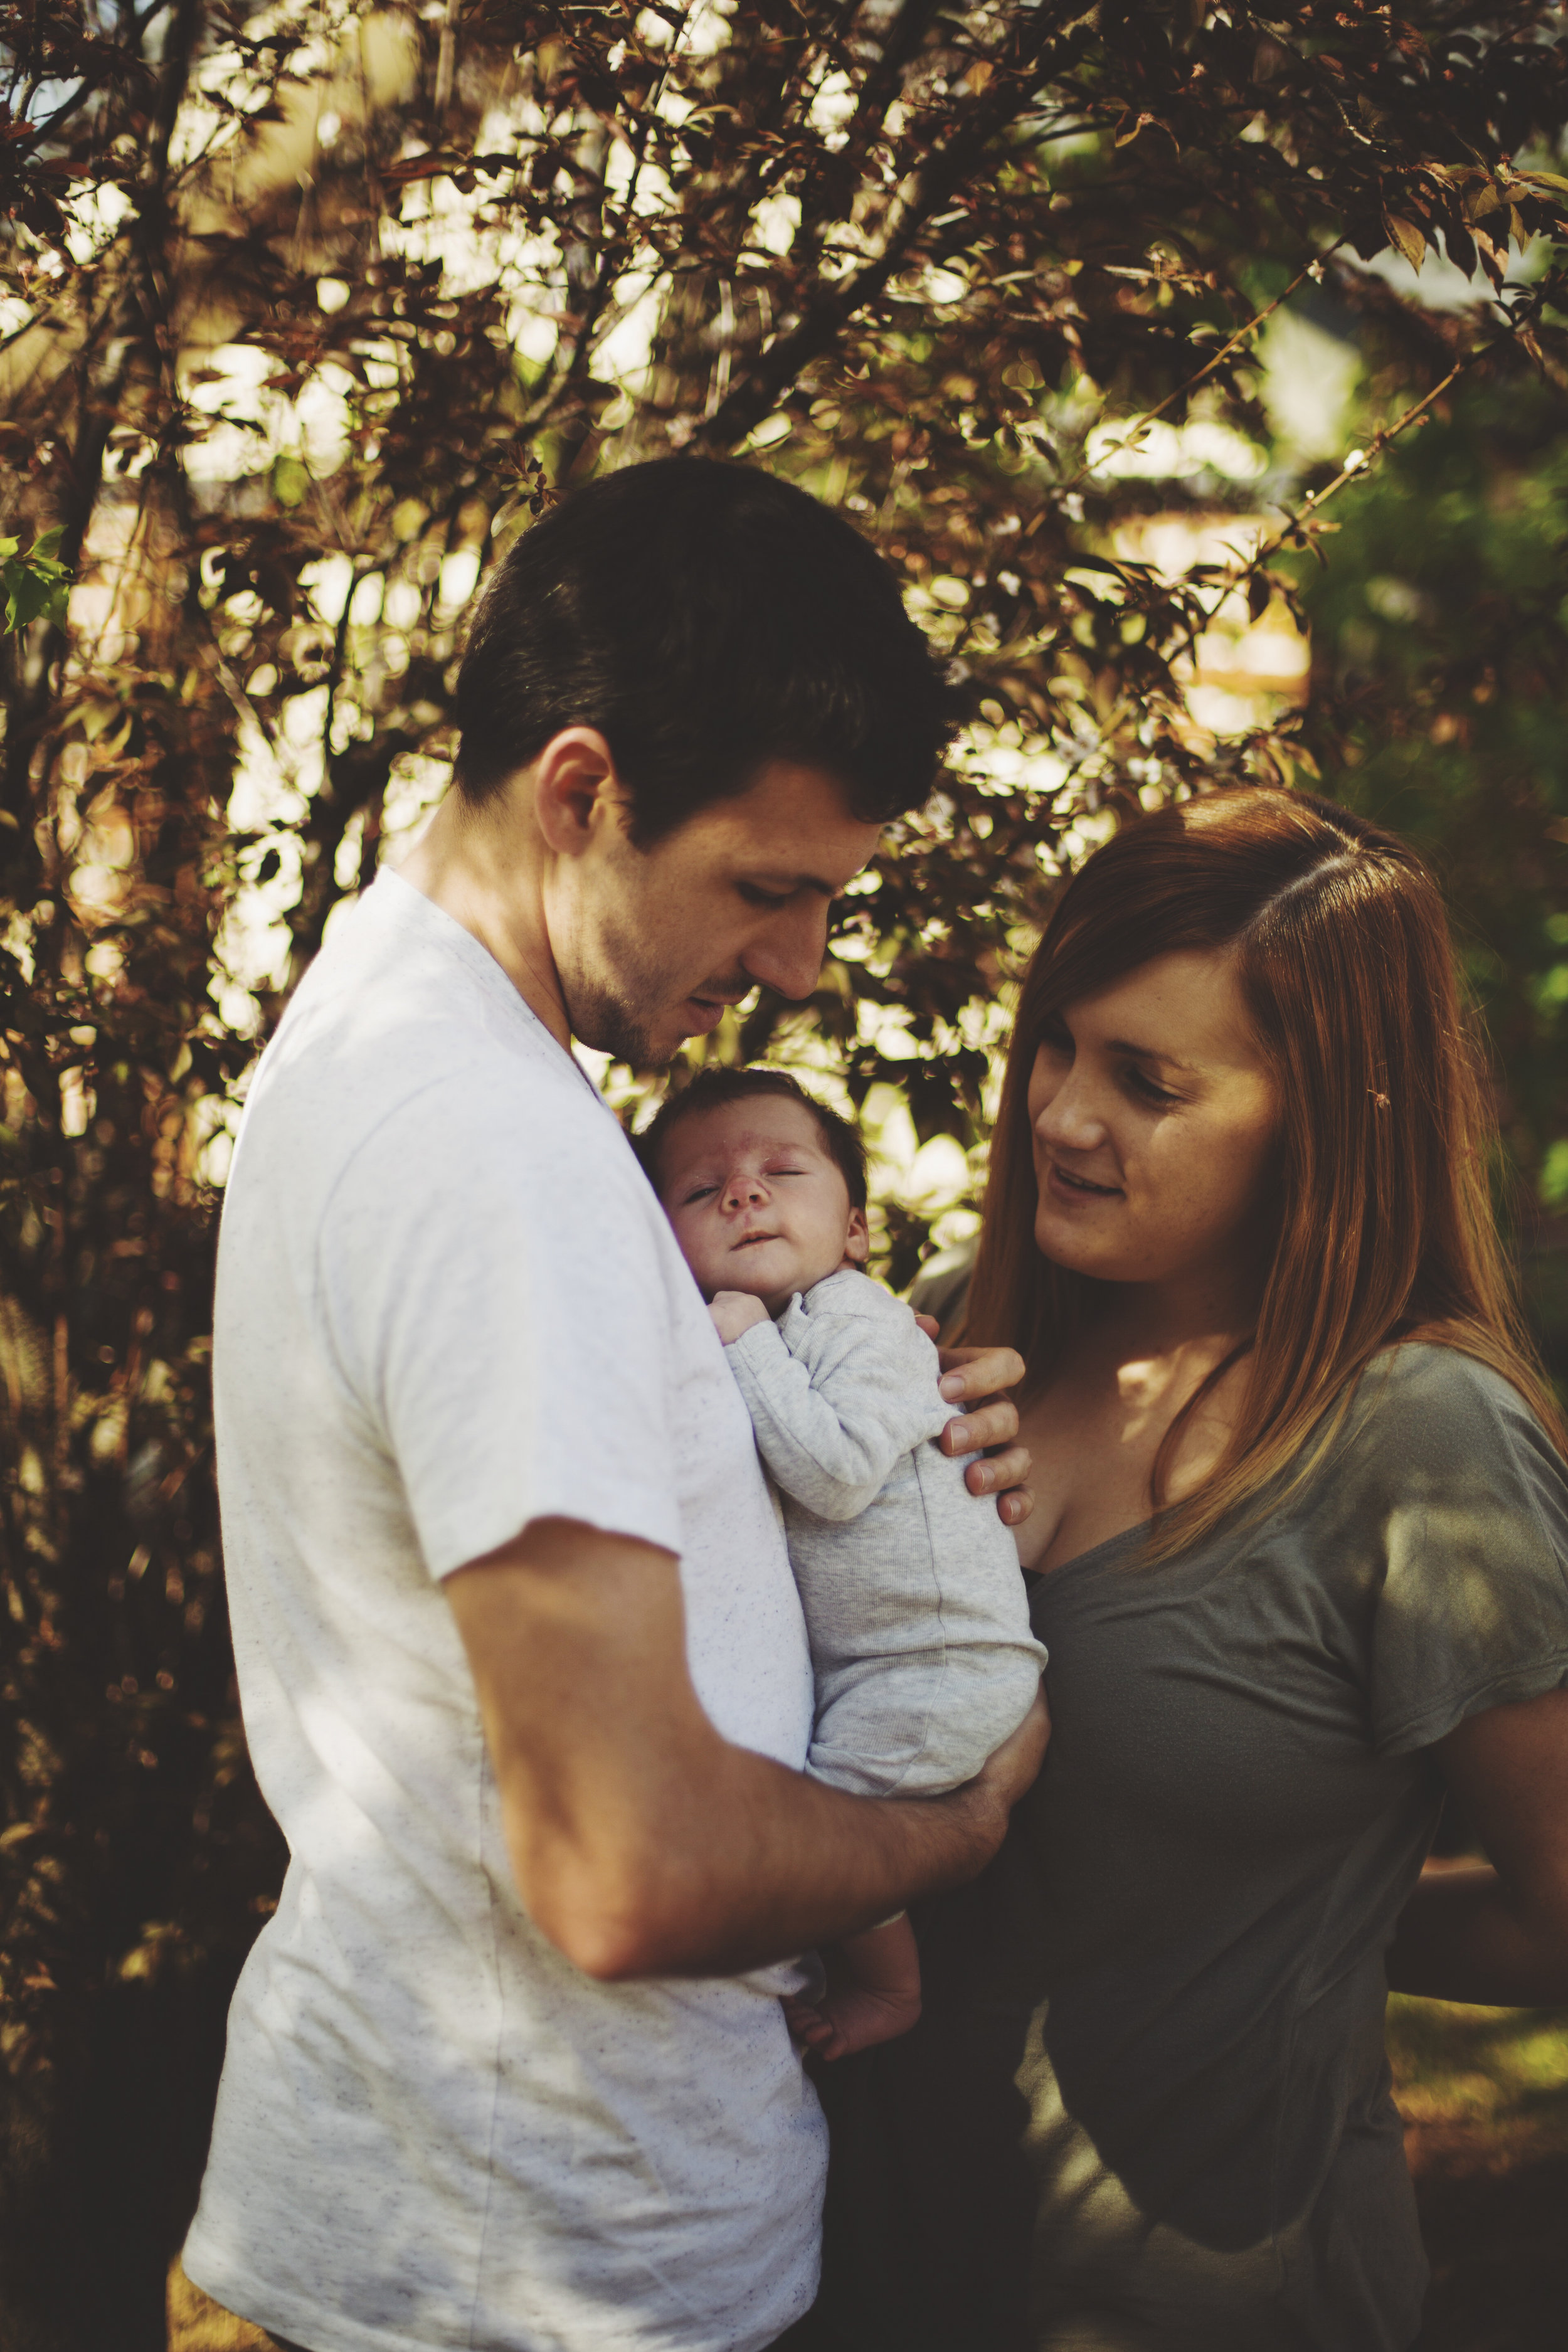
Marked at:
<point>1148,1054</point>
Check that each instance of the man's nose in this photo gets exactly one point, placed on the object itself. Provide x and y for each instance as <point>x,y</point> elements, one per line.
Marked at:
<point>788,955</point>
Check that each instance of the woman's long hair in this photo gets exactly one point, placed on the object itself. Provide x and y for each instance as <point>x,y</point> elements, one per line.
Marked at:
<point>1385,1222</point>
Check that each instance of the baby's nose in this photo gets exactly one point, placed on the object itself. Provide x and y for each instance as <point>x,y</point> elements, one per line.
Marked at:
<point>742,1191</point>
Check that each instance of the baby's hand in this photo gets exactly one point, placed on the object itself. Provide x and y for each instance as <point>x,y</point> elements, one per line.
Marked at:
<point>734,1311</point>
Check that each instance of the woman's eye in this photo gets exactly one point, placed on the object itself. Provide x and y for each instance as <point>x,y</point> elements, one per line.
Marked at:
<point>1055,1038</point>
<point>1145,1086</point>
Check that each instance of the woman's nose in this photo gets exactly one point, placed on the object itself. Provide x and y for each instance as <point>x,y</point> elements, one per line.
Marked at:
<point>1071,1117</point>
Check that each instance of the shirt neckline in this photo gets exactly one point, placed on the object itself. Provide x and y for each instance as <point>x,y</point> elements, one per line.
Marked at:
<point>1094,1552</point>
<point>462,941</point>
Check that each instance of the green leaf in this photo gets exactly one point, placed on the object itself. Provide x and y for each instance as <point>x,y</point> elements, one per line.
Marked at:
<point>1554,1176</point>
<point>36,587</point>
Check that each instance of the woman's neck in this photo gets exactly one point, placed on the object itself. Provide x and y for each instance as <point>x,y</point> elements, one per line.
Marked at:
<point>1166,1324</point>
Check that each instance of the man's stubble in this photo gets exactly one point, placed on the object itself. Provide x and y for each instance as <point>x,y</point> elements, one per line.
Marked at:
<point>613,1007</point>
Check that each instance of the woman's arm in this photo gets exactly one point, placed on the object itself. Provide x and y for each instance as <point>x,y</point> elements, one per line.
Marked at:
<point>1498,1933</point>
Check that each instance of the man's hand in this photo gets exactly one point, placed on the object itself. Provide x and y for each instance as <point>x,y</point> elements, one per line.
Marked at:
<point>1012,1769</point>
<point>734,1311</point>
<point>981,1374</point>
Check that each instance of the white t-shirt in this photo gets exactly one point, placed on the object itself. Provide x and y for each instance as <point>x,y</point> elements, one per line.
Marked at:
<point>448,1305</point>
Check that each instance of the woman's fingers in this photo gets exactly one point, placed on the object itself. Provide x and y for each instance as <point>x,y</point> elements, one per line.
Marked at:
<point>1006,1476</point>
<point>971,1372</point>
<point>993,1423</point>
<point>973,1376</point>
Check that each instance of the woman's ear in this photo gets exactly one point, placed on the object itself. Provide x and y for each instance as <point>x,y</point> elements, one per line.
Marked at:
<point>857,1243</point>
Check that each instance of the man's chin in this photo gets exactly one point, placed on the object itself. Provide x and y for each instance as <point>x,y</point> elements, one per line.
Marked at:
<point>610,1025</point>
<point>606,1027</point>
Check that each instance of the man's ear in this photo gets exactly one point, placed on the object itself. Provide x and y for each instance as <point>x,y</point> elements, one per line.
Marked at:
<point>857,1245</point>
<point>576,790</point>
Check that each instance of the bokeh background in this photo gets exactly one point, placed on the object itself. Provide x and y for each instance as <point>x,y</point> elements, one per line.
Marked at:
<point>1203,373</point>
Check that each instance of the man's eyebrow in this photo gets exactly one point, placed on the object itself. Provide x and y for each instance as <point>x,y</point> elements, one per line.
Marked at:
<point>1150,1053</point>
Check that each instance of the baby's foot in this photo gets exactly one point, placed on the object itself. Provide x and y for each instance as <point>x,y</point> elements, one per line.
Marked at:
<point>850,2018</point>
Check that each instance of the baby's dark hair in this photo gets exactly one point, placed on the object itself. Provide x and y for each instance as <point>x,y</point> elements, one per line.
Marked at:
<point>712,1087</point>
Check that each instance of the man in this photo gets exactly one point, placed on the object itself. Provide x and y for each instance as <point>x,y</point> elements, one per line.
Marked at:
<point>522,1666</point>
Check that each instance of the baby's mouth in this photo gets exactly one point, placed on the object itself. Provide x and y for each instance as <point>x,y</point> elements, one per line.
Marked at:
<point>747,1239</point>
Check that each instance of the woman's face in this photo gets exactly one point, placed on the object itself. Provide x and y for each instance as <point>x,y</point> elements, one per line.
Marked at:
<point>1153,1119</point>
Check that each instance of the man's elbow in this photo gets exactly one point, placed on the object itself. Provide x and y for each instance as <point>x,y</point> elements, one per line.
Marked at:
<point>614,1926</point>
<point>612,1950</point>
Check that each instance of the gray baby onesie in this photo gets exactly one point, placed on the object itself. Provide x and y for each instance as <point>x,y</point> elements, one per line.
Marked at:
<point>913,1597</point>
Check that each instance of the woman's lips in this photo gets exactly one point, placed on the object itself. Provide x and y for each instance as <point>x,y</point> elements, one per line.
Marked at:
<point>1069,1187</point>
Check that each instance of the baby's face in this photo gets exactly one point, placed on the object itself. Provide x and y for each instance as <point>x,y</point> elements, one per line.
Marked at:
<point>757,1202</point>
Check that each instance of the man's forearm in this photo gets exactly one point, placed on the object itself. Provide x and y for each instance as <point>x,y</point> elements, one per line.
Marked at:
<point>750,1863</point>
<point>642,1843</point>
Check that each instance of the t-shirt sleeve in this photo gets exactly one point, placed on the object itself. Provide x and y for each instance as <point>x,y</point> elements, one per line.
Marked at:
<point>497,1305</point>
<point>1473,1607</point>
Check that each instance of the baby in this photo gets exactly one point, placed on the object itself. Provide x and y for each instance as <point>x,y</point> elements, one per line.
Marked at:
<point>914,1603</point>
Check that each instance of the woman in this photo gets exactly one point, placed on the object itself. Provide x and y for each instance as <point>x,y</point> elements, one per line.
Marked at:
<point>1299,1554</point>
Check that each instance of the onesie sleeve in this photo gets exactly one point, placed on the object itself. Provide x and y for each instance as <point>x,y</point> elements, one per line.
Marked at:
<point>1473,1607</point>
<point>835,1411</point>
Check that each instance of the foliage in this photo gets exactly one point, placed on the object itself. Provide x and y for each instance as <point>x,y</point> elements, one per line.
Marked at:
<point>1441,637</point>
<point>305,310</point>
<point>36,586</point>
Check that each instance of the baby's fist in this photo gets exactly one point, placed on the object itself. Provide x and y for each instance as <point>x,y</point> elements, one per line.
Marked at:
<point>734,1311</point>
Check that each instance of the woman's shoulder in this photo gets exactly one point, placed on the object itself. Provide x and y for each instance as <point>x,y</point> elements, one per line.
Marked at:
<point>1425,1391</point>
<point>1430,1416</point>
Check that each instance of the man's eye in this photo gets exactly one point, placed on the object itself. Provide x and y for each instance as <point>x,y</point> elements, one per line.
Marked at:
<point>756,898</point>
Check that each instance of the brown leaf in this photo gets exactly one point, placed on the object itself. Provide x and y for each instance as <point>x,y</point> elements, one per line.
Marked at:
<point>1405,238</point>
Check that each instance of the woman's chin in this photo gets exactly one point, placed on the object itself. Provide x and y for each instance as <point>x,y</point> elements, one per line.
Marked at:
<point>1063,1240</point>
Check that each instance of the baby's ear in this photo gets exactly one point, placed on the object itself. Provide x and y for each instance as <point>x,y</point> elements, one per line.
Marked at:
<point>858,1242</point>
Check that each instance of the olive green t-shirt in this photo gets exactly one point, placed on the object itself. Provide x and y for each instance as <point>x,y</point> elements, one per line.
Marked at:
<point>1148,2104</point>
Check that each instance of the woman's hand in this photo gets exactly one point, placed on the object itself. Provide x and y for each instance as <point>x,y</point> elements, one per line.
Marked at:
<point>977,1377</point>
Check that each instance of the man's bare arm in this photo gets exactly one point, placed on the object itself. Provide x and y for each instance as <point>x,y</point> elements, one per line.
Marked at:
<point>642,1843</point>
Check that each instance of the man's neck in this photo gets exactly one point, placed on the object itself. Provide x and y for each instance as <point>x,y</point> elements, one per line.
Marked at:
<point>477,869</point>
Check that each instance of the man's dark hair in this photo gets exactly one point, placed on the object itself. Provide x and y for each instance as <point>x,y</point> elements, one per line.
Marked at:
<point>705,619</point>
<point>712,1087</point>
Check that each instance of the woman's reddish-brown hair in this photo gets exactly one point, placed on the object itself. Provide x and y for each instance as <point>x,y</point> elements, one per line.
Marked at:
<point>1386,1229</point>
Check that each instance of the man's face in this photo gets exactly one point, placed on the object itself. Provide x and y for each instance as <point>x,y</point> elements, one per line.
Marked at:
<point>652,946</point>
